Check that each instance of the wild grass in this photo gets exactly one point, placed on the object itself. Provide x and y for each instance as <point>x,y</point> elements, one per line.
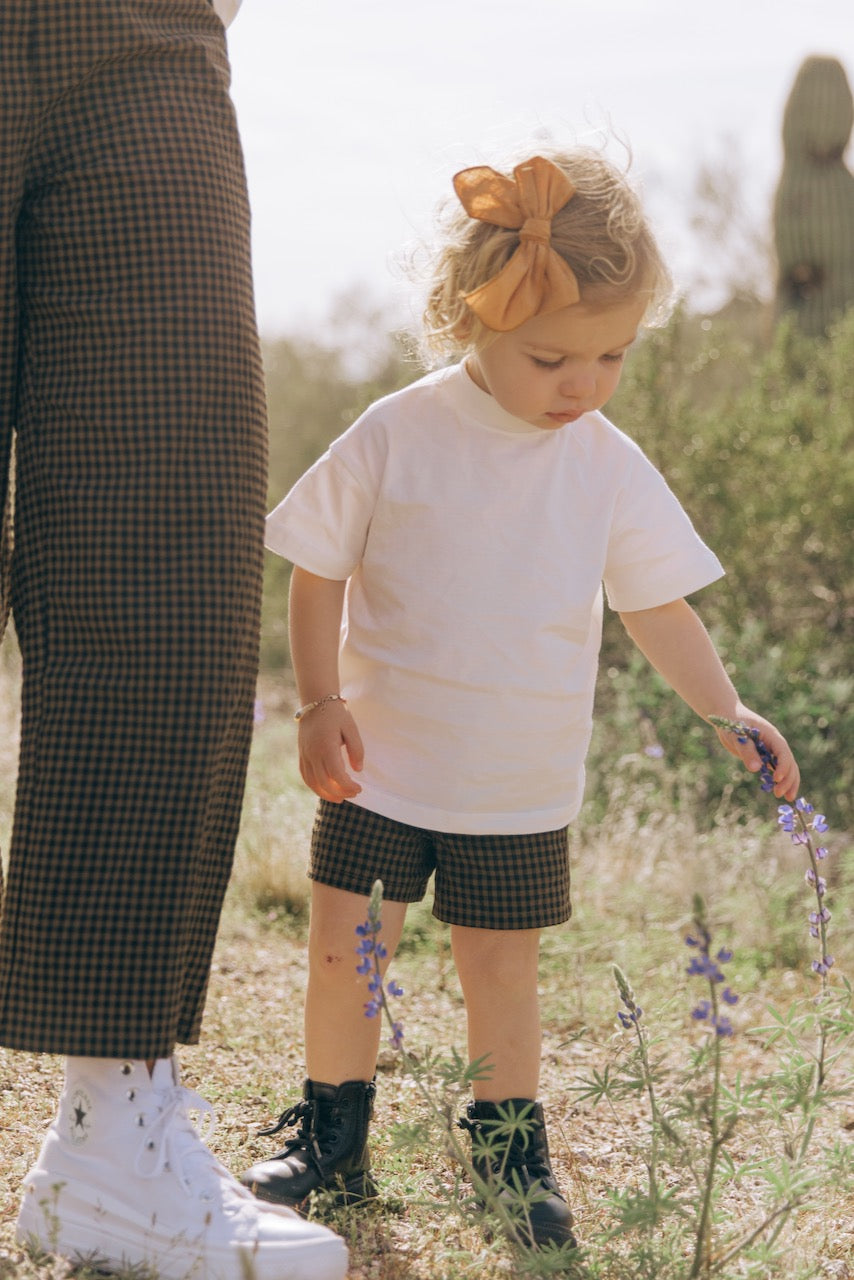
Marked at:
<point>635,873</point>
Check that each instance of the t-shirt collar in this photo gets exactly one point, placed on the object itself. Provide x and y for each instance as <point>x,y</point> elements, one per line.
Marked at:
<point>479,404</point>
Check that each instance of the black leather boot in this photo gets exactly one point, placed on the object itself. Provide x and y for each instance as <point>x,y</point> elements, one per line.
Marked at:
<point>329,1151</point>
<point>510,1154</point>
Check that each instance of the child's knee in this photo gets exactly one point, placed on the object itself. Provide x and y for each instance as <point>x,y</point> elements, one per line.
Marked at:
<point>505,963</point>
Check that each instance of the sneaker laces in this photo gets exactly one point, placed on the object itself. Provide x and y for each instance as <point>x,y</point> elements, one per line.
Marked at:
<point>173,1142</point>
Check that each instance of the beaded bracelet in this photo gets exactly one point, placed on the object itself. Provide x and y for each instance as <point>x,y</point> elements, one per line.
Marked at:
<point>321,702</point>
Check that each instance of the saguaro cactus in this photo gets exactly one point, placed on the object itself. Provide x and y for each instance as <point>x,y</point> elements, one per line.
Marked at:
<point>814,202</point>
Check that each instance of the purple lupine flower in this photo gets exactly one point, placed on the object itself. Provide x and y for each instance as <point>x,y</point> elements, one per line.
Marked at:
<point>702,965</point>
<point>635,1012</point>
<point>786,818</point>
<point>767,759</point>
<point>396,1038</point>
<point>799,821</point>
<point>371,952</point>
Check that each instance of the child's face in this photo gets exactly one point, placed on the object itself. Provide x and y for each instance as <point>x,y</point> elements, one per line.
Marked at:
<point>554,368</point>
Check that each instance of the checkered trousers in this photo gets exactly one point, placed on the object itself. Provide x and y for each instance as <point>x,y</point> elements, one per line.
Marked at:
<point>130,375</point>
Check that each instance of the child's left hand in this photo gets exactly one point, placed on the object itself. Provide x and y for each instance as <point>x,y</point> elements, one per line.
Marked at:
<point>787,775</point>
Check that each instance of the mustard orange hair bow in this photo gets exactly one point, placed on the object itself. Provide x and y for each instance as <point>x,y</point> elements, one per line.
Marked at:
<point>536,280</point>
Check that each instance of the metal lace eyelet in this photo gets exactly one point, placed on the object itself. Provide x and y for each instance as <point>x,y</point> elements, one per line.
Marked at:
<point>127,1068</point>
<point>140,1121</point>
<point>131,1094</point>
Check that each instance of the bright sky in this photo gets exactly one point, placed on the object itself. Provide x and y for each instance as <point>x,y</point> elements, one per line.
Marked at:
<point>356,113</point>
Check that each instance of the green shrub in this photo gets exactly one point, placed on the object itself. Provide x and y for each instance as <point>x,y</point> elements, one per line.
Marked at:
<point>764,467</point>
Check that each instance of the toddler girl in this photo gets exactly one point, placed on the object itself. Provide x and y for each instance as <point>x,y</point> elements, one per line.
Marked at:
<point>462,528</point>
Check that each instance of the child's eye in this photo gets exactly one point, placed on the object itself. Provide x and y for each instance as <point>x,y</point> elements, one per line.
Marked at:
<point>615,358</point>
<point>547,364</point>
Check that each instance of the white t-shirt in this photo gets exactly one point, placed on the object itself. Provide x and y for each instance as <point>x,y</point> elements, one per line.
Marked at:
<point>475,546</point>
<point>227,9</point>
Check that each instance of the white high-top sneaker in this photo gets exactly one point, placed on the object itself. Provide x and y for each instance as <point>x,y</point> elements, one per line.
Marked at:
<point>124,1178</point>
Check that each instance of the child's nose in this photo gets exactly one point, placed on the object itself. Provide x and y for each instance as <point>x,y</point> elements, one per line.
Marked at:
<point>578,382</point>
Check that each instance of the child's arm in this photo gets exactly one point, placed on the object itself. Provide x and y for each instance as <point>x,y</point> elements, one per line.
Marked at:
<point>677,644</point>
<point>328,731</point>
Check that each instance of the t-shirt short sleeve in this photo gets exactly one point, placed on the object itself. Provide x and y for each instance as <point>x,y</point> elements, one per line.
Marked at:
<point>322,524</point>
<point>654,553</point>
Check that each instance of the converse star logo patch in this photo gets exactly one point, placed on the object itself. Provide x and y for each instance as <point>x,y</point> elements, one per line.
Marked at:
<point>80,1117</point>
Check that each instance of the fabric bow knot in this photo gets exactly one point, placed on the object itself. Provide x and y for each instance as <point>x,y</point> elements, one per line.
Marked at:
<point>536,280</point>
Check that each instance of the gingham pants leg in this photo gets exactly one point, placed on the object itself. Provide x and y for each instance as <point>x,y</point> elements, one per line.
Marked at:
<point>131,372</point>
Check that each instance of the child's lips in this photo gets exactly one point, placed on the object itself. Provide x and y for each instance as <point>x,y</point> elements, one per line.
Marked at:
<point>566,415</point>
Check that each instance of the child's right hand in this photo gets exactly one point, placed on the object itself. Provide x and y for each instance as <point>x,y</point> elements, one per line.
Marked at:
<point>326,736</point>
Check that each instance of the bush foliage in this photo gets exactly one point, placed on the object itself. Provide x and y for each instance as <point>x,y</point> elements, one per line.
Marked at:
<point>755,438</point>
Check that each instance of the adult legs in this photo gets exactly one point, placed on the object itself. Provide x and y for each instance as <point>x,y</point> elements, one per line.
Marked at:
<point>137,401</point>
<point>138,528</point>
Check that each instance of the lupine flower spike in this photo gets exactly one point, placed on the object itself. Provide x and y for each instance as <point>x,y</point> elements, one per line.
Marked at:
<point>802,824</point>
<point>635,1012</point>
<point>704,965</point>
<point>745,733</point>
<point>371,951</point>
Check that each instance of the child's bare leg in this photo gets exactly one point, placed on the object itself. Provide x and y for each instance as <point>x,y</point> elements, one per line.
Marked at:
<point>498,974</point>
<point>330,1147</point>
<point>341,1043</point>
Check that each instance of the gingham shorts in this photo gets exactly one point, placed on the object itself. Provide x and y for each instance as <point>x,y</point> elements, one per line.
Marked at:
<point>481,881</point>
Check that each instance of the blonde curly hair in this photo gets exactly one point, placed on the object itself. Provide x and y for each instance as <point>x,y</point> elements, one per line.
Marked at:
<point>602,233</point>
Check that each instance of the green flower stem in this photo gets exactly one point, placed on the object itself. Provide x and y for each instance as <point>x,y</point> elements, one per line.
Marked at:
<point>821,1052</point>
<point>627,995</point>
<point>701,1261</point>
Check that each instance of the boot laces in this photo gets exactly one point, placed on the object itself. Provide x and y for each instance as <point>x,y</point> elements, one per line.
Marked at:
<point>297,1112</point>
<point>310,1138</point>
<point>508,1154</point>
